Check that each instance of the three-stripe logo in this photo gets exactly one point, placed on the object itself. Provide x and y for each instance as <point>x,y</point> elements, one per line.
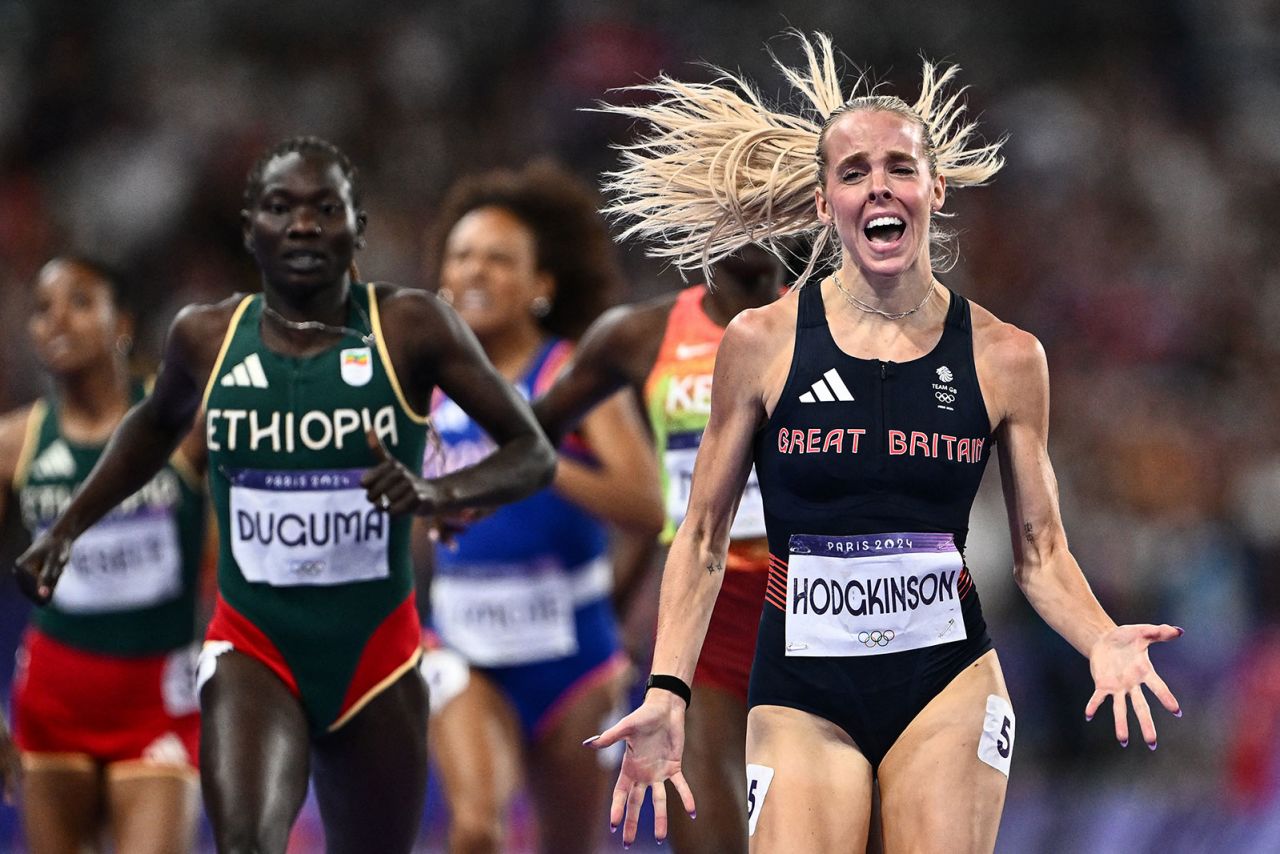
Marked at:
<point>247,374</point>
<point>830,387</point>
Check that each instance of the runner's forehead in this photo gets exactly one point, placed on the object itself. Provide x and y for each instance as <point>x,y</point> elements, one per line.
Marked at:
<point>305,174</point>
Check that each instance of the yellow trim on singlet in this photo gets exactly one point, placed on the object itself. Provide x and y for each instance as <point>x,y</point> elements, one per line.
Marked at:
<point>222,353</point>
<point>375,318</point>
<point>32,761</point>
<point>376,690</point>
<point>135,769</point>
<point>30,441</point>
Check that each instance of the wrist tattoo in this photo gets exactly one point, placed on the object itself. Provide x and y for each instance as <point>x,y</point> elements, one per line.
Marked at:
<point>714,567</point>
<point>1028,533</point>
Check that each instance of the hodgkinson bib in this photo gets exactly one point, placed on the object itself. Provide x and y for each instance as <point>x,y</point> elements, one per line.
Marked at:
<point>872,594</point>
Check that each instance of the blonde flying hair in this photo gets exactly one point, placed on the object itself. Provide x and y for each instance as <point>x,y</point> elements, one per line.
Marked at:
<point>719,169</point>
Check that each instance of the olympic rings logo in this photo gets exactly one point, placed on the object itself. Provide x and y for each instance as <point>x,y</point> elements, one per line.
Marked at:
<point>876,638</point>
<point>945,397</point>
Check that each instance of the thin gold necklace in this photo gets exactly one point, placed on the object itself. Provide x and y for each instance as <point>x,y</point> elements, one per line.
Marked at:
<point>871,309</point>
<point>317,326</point>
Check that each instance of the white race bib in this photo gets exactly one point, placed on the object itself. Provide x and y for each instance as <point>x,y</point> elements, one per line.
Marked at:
<point>995,745</point>
<point>317,528</point>
<point>872,594</point>
<point>678,460</point>
<point>121,563</point>
<point>504,619</point>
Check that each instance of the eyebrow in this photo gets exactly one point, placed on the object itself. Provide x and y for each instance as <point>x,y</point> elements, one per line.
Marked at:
<point>893,154</point>
<point>285,191</point>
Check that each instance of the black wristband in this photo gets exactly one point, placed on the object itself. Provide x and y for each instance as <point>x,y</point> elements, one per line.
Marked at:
<point>674,684</point>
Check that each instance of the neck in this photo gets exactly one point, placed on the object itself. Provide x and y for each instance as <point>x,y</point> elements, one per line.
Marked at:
<point>94,400</point>
<point>326,304</point>
<point>511,349</point>
<point>890,294</point>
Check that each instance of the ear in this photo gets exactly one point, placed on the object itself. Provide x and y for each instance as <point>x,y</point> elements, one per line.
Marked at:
<point>362,222</point>
<point>126,324</point>
<point>938,194</point>
<point>824,210</point>
<point>246,231</point>
<point>545,285</point>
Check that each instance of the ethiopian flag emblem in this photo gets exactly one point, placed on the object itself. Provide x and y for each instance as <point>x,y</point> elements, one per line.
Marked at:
<point>357,365</point>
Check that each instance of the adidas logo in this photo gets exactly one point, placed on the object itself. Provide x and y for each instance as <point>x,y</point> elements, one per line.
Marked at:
<point>832,389</point>
<point>247,374</point>
<point>54,462</point>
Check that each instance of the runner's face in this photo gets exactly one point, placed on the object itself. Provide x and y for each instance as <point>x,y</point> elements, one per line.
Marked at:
<point>490,271</point>
<point>879,193</point>
<point>303,228</point>
<point>75,322</point>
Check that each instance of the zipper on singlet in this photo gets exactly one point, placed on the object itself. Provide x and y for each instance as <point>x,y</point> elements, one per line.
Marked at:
<point>884,415</point>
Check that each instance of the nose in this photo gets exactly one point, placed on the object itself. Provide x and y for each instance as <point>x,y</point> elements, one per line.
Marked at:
<point>304,223</point>
<point>878,186</point>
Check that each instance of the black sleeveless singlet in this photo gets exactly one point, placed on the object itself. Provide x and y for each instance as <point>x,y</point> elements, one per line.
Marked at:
<point>868,470</point>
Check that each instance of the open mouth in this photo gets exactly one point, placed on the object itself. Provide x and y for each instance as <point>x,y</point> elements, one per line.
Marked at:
<point>884,229</point>
<point>304,259</point>
<point>471,299</point>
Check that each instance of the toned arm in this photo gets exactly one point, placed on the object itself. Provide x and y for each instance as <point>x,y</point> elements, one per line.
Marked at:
<point>1012,363</point>
<point>432,347</point>
<point>139,447</point>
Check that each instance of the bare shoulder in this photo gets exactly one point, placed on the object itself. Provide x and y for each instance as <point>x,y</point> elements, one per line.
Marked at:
<point>766,329</point>
<point>196,336</point>
<point>412,314</point>
<point>625,340</point>
<point>205,318</point>
<point>1004,348</point>
<point>635,324</point>
<point>13,432</point>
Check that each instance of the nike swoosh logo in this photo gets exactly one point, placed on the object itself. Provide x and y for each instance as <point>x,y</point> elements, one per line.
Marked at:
<point>692,351</point>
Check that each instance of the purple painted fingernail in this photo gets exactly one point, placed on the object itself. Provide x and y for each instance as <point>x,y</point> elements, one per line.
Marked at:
<point>1178,713</point>
<point>1151,746</point>
<point>613,828</point>
<point>1181,630</point>
<point>1124,743</point>
<point>693,814</point>
<point>626,846</point>
<point>587,741</point>
<point>1088,717</point>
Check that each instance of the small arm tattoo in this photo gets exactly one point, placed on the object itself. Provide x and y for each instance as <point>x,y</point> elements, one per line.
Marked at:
<point>714,567</point>
<point>1028,533</point>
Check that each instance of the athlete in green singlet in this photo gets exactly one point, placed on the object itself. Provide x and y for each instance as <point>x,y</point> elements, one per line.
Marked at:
<point>313,397</point>
<point>103,701</point>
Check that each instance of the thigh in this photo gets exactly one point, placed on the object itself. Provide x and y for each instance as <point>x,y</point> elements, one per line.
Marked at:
<point>371,775</point>
<point>569,784</point>
<point>477,745</point>
<point>254,755</point>
<point>936,793</point>
<point>808,785</point>
<point>714,764</point>
<point>153,813</point>
<point>62,804</point>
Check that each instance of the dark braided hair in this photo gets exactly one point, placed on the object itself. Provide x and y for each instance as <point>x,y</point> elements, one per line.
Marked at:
<point>118,282</point>
<point>572,239</point>
<point>300,145</point>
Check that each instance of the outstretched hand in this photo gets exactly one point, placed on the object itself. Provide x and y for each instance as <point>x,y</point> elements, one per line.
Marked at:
<point>390,485</point>
<point>39,567</point>
<point>1120,667</point>
<point>654,736</point>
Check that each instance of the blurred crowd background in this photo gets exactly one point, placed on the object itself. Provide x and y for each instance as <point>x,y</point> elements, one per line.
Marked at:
<point>1133,231</point>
